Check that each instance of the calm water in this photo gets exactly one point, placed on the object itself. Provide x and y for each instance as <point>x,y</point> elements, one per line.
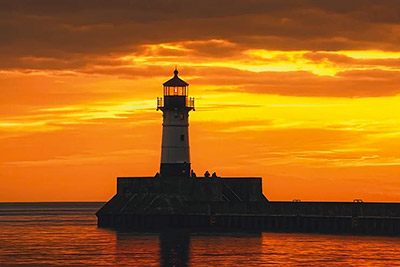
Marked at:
<point>65,234</point>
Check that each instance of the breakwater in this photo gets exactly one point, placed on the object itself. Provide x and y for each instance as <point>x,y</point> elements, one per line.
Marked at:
<point>226,204</point>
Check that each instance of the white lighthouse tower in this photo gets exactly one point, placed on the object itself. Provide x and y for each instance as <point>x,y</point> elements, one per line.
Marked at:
<point>175,156</point>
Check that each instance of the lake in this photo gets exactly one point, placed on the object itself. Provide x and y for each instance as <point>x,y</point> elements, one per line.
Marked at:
<point>65,234</point>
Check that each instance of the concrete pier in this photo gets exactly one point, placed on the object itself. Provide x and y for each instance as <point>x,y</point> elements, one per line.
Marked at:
<point>235,204</point>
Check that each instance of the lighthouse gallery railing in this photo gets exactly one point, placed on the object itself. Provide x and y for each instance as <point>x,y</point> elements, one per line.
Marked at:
<point>189,103</point>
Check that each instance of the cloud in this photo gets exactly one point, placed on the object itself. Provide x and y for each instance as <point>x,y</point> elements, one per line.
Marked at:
<point>70,29</point>
<point>84,158</point>
<point>346,61</point>
<point>271,47</point>
<point>354,83</point>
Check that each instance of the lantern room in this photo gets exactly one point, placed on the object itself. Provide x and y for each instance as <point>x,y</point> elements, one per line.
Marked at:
<point>175,86</point>
<point>175,95</point>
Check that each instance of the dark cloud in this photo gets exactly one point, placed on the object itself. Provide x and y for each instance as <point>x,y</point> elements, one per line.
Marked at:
<point>345,61</point>
<point>356,83</point>
<point>91,37</point>
<point>129,72</point>
<point>71,28</point>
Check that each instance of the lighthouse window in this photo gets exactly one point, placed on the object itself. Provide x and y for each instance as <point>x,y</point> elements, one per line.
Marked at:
<point>175,90</point>
<point>182,137</point>
<point>181,116</point>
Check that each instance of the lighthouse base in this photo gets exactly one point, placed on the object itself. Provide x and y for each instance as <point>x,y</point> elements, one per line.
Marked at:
<point>175,170</point>
<point>156,202</point>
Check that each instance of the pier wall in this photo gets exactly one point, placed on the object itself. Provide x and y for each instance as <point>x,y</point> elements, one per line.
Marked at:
<point>266,223</point>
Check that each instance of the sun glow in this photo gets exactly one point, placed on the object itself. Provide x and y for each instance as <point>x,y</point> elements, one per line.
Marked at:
<point>324,63</point>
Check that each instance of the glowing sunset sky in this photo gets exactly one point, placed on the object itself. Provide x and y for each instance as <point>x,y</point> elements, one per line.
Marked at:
<point>305,94</point>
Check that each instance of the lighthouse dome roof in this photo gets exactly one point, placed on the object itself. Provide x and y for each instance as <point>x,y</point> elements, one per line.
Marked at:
<point>176,81</point>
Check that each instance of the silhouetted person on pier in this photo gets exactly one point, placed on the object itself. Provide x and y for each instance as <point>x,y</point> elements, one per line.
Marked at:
<point>193,174</point>
<point>207,174</point>
<point>157,174</point>
<point>214,175</point>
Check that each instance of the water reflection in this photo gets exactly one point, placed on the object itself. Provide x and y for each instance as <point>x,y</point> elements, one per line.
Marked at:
<point>174,248</point>
<point>38,235</point>
<point>177,247</point>
<point>136,249</point>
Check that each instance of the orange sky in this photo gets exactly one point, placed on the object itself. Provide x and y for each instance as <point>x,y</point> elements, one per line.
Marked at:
<point>302,93</point>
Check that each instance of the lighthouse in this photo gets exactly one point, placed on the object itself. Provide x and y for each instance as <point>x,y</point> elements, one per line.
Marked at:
<point>175,105</point>
<point>171,198</point>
